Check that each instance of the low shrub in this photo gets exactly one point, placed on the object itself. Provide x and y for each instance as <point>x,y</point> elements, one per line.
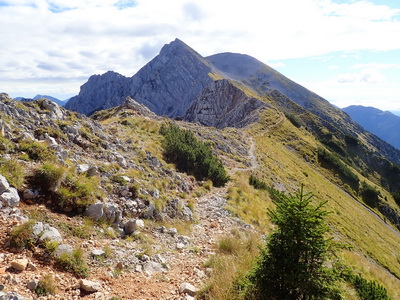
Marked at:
<point>48,177</point>
<point>46,285</point>
<point>257,183</point>
<point>5,145</point>
<point>21,236</point>
<point>74,263</point>
<point>331,161</point>
<point>368,290</point>
<point>294,120</point>
<point>13,171</point>
<point>37,151</point>
<point>78,192</point>
<point>369,195</point>
<point>192,156</point>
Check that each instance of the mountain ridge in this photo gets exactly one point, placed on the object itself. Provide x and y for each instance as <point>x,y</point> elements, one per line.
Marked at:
<point>383,124</point>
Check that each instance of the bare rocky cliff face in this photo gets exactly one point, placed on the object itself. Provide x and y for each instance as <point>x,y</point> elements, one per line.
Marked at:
<point>167,85</point>
<point>222,104</point>
<point>99,92</point>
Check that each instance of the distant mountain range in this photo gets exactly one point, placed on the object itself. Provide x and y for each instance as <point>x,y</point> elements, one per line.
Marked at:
<point>179,82</point>
<point>384,124</point>
<point>37,97</point>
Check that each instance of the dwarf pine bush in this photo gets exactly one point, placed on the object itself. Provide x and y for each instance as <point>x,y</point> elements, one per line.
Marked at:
<point>192,156</point>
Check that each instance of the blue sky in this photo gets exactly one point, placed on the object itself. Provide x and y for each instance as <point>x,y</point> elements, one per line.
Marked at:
<point>346,51</point>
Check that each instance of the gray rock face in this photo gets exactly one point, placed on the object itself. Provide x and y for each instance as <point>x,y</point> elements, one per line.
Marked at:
<point>50,234</point>
<point>167,85</point>
<point>101,91</point>
<point>90,286</point>
<point>11,296</point>
<point>4,185</point>
<point>104,211</point>
<point>222,104</point>
<point>10,197</point>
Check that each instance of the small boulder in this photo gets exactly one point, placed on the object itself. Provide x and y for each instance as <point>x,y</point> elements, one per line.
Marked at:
<point>97,252</point>
<point>187,288</point>
<point>20,264</point>
<point>63,249</point>
<point>89,286</point>
<point>152,267</point>
<point>32,285</point>
<point>132,225</point>
<point>10,197</point>
<point>50,234</point>
<point>4,185</point>
<point>30,194</point>
<point>95,211</point>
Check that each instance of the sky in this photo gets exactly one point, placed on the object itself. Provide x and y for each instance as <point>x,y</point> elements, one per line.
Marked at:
<point>346,51</point>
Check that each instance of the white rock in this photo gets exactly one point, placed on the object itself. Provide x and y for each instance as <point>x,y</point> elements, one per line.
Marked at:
<point>63,249</point>
<point>152,267</point>
<point>89,286</point>
<point>50,234</point>
<point>30,194</point>
<point>10,197</point>
<point>4,185</point>
<point>20,264</point>
<point>82,168</point>
<point>132,225</point>
<point>187,288</point>
<point>97,252</point>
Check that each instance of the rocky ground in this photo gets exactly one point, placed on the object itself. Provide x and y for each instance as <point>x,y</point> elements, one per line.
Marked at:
<point>133,248</point>
<point>176,271</point>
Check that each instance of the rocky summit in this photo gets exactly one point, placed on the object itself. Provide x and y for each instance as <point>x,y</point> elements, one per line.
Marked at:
<point>165,185</point>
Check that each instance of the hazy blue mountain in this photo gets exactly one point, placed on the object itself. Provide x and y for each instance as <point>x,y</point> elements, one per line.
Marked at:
<point>58,101</point>
<point>384,124</point>
<point>37,97</point>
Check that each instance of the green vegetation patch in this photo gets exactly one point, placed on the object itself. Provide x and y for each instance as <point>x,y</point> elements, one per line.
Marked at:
<point>192,156</point>
<point>297,260</point>
<point>331,161</point>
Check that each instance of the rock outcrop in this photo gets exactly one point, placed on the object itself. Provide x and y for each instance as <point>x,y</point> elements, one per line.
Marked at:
<point>167,85</point>
<point>99,92</point>
<point>222,104</point>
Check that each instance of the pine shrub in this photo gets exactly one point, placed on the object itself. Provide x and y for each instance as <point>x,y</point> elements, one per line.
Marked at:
<point>192,156</point>
<point>295,262</point>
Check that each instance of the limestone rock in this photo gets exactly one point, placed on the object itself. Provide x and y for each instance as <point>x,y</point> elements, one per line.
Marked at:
<point>11,296</point>
<point>63,249</point>
<point>104,211</point>
<point>32,285</point>
<point>50,234</point>
<point>90,286</point>
<point>132,225</point>
<point>30,194</point>
<point>187,288</point>
<point>20,264</point>
<point>4,185</point>
<point>152,267</point>
<point>222,105</point>
<point>10,197</point>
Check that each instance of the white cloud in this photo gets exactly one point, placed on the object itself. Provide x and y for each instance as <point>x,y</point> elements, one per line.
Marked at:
<point>77,38</point>
<point>365,76</point>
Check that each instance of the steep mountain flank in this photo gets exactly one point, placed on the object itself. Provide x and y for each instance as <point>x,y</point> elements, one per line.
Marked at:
<point>384,124</point>
<point>167,85</point>
<point>172,80</point>
<point>221,104</point>
<point>99,92</point>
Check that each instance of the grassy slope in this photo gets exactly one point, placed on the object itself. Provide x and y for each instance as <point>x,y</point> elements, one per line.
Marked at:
<point>376,249</point>
<point>281,152</point>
